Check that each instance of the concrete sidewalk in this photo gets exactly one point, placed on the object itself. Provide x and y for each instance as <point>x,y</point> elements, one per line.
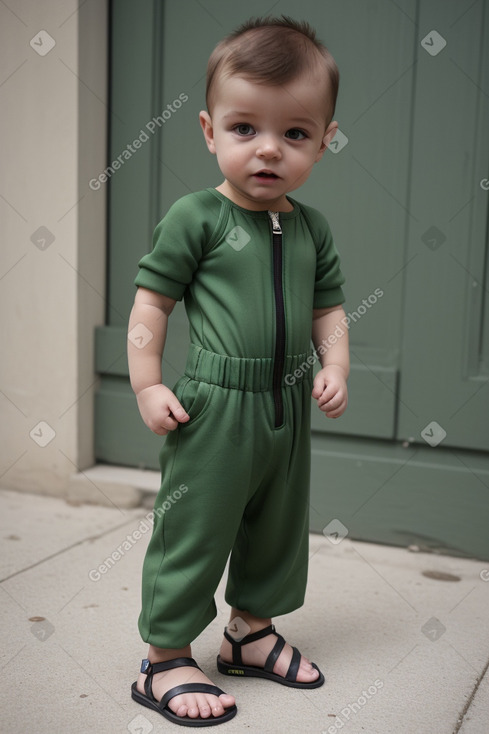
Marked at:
<point>402,653</point>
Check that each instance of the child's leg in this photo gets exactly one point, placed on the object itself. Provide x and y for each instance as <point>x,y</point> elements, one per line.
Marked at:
<point>269,562</point>
<point>268,568</point>
<point>207,477</point>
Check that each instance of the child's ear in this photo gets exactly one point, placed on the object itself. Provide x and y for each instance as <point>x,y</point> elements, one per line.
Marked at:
<point>207,129</point>
<point>327,138</point>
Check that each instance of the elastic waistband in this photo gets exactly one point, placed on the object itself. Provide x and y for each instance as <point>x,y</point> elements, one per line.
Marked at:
<point>254,375</point>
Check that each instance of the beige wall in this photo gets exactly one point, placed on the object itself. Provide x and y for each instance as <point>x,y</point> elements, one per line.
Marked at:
<point>53,141</point>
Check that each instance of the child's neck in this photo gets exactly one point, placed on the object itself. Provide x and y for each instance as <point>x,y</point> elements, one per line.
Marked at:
<point>278,205</point>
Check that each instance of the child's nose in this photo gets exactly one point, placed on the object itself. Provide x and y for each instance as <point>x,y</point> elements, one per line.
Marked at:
<point>268,148</point>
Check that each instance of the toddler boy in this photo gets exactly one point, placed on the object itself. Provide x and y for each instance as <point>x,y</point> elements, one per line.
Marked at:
<point>260,276</point>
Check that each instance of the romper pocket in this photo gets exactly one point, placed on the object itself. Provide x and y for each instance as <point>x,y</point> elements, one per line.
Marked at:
<point>195,397</point>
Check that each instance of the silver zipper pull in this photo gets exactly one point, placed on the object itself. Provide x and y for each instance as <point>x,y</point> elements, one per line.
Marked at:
<point>274,216</point>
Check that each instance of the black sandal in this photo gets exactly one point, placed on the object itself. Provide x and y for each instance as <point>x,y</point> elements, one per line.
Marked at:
<point>237,668</point>
<point>162,706</point>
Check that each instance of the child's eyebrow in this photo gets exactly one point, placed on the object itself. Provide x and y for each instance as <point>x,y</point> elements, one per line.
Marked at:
<point>239,113</point>
<point>304,120</point>
<point>292,121</point>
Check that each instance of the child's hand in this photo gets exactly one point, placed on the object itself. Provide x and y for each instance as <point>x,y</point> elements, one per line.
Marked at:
<point>160,409</point>
<point>330,391</point>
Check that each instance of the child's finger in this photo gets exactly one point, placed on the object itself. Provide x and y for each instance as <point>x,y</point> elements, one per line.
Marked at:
<point>159,430</point>
<point>331,400</point>
<point>169,420</point>
<point>336,406</point>
<point>336,412</point>
<point>318,386</point>
<point>177,411</point>
<point>328,394</point>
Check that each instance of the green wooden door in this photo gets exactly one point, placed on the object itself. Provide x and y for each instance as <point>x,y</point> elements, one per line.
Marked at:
<point>401,190</point>
<point>444,363</point>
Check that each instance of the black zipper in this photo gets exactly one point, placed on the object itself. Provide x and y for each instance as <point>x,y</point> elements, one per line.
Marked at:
<point>279,357</point>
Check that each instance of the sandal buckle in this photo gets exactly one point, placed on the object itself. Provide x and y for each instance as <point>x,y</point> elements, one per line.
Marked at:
<point>145,666</point>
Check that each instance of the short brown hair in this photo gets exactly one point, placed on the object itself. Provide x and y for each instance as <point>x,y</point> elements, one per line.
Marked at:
<point>272,51</point>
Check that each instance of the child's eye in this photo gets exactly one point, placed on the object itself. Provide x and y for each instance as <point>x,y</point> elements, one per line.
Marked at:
<point>295,134</point>
<point>244,129</point>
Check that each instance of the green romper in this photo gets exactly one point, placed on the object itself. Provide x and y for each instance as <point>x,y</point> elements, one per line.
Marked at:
<point>238,471</point>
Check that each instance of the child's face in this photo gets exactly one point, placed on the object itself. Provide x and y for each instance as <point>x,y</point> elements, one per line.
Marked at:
<point>266,138</point>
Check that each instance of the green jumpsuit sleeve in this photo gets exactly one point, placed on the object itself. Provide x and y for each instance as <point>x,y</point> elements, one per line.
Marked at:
<point>329,278</point>
<point>179,242</point>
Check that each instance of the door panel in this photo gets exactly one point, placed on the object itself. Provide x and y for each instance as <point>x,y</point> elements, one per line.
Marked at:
<point>444,375</point>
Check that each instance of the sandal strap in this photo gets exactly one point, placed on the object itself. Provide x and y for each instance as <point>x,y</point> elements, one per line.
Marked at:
<point>235,648</point>
<point>150,669</point>
<point>237,644</point>
<point>275,654</point>
<point>189,688</point>
<point>294,665</point>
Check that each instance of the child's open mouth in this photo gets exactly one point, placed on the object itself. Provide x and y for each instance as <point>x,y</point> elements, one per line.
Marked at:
<point>266,175</point>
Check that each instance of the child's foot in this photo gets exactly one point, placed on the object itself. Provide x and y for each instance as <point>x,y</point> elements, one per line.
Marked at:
<point>192,705</point>
<point>256,653</point>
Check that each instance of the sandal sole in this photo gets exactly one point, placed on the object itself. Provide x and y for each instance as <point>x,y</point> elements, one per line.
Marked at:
<point>251,671</point>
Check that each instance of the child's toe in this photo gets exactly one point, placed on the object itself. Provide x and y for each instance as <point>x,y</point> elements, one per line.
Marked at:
<point>180,705</point>
<point>307,673</point>
<point>193,710</point>
<point>204,705</point>
<point>225,700</point>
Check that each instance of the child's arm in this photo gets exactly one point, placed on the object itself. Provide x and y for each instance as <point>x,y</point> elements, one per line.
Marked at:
<point>330,338</point>
<point>159,408</point>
